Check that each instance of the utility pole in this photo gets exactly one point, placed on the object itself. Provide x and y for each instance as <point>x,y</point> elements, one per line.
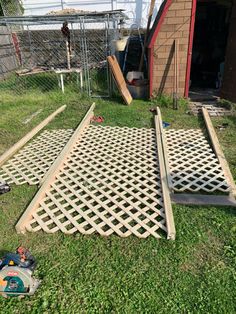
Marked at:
<point>62,4</point>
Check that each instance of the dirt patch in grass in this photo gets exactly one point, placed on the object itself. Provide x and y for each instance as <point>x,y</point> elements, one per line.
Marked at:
<point>205,253</point>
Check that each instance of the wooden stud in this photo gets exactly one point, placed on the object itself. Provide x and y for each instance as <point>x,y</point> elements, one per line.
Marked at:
<point>166,195</point>
<point>11,151</point>
<point>219,152</point>
<point>164,148</point>
<point>53,171</point>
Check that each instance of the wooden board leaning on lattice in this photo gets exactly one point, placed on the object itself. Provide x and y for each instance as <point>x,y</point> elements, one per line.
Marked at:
<point>196,165</point>
<point>107,182</point>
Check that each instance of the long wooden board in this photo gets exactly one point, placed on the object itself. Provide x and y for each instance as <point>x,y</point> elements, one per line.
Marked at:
<point>171,232</point>
<point>53,171</point>
<point>119,79</point>
<point>164,148</point>
<point>11,151</point>
<point>219,152</point>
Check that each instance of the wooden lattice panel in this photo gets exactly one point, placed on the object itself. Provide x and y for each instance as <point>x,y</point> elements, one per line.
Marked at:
<point>110,183</point>
<point>31,163</point>
<point>193,164</point>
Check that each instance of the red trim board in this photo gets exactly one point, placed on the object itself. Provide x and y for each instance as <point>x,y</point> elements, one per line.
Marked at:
<point>152,42</point>
<point>161,19</point>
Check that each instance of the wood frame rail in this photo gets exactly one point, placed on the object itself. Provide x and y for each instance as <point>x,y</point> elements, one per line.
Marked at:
<point>171,232</point>
<point>53,171</point>
<point>164,148</point>
<point>219,152</point>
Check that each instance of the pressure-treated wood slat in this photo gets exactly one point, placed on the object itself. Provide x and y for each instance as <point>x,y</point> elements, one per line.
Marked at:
<point>54,170</point>
<point>10,152</point>
<point>164,149</point>
<point>164,181</point>
<point>218,151</point>
<point>109,183</point>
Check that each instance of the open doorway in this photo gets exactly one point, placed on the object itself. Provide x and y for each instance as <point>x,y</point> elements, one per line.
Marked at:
<point>209,45</point>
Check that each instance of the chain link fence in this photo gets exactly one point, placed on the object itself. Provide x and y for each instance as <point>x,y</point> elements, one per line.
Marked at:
<point>58,52</point>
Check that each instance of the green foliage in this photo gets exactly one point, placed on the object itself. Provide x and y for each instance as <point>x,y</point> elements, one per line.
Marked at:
<point>166,101</point>
<point>196,273</point>
<point>162,100</point>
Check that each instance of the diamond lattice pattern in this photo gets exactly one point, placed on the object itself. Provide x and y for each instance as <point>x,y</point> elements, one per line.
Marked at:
<point>32,162</point>
<point>193,165</point>
<point>109,184</point>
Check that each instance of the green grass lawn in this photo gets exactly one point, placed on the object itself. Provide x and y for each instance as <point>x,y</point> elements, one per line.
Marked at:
<point>196,273</point>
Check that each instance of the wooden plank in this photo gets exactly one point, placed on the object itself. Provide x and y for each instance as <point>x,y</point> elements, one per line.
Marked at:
<point>207,200</point>
<point>219,152</point>
<point>27,72</point>
<point>11,151</point>
<point>119,79</point>
<point>164,147</point>
<point>163,175</point>
<point>53,171</point>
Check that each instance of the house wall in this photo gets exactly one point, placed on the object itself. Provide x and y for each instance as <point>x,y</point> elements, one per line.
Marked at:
<point>176,25</point>
<point>228,90</point>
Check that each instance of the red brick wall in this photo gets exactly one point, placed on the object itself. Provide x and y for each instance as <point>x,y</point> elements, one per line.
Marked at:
<point>229,79</point>
<point>176,25</point>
